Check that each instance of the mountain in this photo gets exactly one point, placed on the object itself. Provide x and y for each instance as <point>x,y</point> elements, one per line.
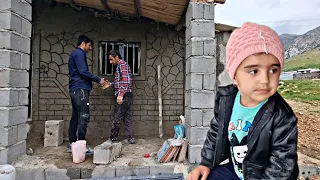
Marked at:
<point>288,39</point>
<point>303,43</point>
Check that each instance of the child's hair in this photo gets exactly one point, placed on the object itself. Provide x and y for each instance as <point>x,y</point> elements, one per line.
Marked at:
<point>252,39</point>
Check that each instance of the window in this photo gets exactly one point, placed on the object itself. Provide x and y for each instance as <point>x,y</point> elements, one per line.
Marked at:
<point>130,52</point>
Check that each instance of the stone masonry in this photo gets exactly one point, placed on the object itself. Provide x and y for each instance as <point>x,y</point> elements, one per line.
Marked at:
<point>200,75</point>
<point>15,33</point>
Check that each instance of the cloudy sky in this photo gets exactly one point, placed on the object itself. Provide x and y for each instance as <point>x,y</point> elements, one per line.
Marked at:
<point>284,16</point>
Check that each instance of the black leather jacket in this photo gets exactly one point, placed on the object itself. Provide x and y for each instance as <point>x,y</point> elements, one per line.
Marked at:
<point>272,138</point>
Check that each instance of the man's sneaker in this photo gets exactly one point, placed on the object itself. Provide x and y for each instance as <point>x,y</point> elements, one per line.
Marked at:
<point>69,150</point>
<point>89,151</point>
<point>130,141</point>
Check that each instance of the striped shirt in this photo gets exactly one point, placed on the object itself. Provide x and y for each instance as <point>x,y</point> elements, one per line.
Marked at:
<point>123,79</point>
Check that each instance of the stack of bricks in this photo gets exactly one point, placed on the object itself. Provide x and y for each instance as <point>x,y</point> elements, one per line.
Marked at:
<point>200,75</point>
<point>15,34</point>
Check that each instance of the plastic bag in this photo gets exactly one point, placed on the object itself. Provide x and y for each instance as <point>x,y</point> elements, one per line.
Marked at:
<point>79,149</point>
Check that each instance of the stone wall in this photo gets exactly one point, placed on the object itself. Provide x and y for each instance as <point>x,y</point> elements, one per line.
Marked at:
<point>56,30</point>
<point>15,33</point>
<point>223,78</point>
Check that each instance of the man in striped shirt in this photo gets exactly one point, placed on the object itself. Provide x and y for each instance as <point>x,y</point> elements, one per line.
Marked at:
<point>123,91</point>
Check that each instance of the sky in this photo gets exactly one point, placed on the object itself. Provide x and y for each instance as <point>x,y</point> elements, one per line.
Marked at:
<point>284,16</point>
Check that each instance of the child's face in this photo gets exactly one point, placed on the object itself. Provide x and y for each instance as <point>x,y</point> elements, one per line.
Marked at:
<point>257,78</point>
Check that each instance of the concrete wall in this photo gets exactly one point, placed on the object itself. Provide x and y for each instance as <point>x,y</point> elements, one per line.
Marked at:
<point>55,33</point>
<point>15,33</point>
<point>223,78</point>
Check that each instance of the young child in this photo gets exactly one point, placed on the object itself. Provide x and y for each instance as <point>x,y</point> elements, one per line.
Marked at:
<point>254,128</point>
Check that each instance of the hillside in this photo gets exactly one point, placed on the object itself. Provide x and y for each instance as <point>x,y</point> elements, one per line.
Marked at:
<point>287,39</point>
<point>306,60</point>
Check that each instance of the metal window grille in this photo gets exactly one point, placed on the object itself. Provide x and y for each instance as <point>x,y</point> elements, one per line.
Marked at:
<point>130,52</point>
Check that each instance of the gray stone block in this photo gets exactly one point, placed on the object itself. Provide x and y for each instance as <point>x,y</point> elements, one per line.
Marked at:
<point>30,174</point>
<point>13,115</point>
<point>14,78</point>
<point>196,135</point>
<point>53,135</point>
<point>74,173</point>
<point>10,21</point>
<point>8,135</point>
<point>208,11</point>
<point>201,64</point>
<point>20,7</point>
<point>23,96</point>
<point>15,41</point>
<point>163,169</point>
<point>14,59</point>
<point>55,173</point>
<point>194,153</point>
<point>103,171</point>
<point>23,130</point>
<point>207,116</point>
<point>200,28</point>
<point>194,47</point>
<point>201,99</point>
<point>209,47</point>
<point>13,96</point>
<point>132,171</point>
<point>209,81</point>
<point>193,117</point>
<point>86,173</point>
<point>194,81</point>
<point>106,153</point>
<point>13,152</point>
<point>26,28</point>
<point>194,11</point>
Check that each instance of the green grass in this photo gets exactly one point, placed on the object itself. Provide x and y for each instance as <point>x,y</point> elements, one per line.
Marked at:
<point>300,90</point>
<point>306,60</point>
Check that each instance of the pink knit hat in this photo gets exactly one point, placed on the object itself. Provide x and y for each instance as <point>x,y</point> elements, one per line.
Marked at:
<point>251,39</point>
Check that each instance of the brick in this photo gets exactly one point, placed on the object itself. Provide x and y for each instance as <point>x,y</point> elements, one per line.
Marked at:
<point>200,28</point>
<point>20,7</point>
<point>23,130</point>
<point>209,47</point>
<point>132,171</point>
<point>8,135</point>
<point>194,81</point>
<point>106,153</point>
<point>148,107</point>
<point>194,47</point>
<point>55,173</point>
<point>209,82</point>
<point>207,116</point>
<point>201,64</point>
<point>200,99</point>
<point>62,101</point>
<point>196,135</point>
<point>13,152</point>
<point>193,117</point>
<point>194,153</point>
<point>163,169</point>
<point>180,91</point>
<point>53,135</point>
<point>54,107</point>
<point>85,173</point>
<point>103,171</point>
<point>14,41</point>
<point>194,11</point>
<point>13,96</point>
<point>13,115</point>
<point>208,11</point>
<point>164,102</point>
<point>30,174</point>
<point>14,78</point>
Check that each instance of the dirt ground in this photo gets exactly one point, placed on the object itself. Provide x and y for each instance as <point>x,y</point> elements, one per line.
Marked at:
<point>308,126</point>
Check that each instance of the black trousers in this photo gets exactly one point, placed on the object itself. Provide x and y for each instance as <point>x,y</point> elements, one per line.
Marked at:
<point>122,112</point>
<point>80,114</point>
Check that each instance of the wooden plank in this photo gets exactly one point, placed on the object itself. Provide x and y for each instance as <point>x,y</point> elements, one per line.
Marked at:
<point>137,7</point>
<point>183,151</point>
<point>160,101</point>
<point>163,6</point>
<point>166,154</point>
<point>161,17</point>
<point>176,154</point>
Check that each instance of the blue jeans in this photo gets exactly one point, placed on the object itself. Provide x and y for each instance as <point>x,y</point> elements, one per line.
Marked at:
<point>80,114</point>
<point>223,172</point>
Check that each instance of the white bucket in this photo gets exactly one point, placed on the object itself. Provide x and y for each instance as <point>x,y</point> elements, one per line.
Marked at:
<point>7,172</point>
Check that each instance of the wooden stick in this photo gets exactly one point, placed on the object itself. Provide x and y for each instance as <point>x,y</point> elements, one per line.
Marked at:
<point>160,101</point>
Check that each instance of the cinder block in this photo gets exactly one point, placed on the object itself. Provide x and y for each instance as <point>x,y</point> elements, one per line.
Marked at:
<point>193,117</point>
<point>55,173</point>
<point>8,135</point>
<point>208,11</point>
<point>30,174</point>
<point>209,47</point>
<point>163,169</point>
<point>21,7</point>
<point>132,171</point>
<point>194,153</point>
<point>14,78</point>
<point>13,115</point>
<point>194,81</point>
<point>86,173</point>
<point>53,135</point>
<point>207,116</point>
<point>26,28</point>
<point>200,28</point>
<point>23,130</point>
<point>209,81</point>
<point>103,171</point>
<point>196,135</point>
<point>10,21</point>
<point>194,47</point>
<point>201,99</point>
<point>14,59</point>
<point>13,96</point>
<point>13,152</point>
<point>106,153</point>
<point>15,41</point>
<point>201,64</point>
<point>74,173</point>
<point>194,11</point>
